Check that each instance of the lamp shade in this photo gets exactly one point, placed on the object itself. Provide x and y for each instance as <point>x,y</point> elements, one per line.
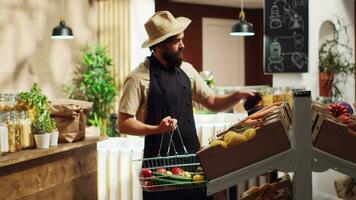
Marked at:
<point>242,28</point>
<point>62,31</point>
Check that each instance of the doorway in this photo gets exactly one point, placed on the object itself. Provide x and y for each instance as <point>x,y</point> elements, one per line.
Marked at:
<point>223,54</point>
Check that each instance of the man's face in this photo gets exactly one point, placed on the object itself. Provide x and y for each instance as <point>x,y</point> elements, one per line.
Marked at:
<point>172,51</point>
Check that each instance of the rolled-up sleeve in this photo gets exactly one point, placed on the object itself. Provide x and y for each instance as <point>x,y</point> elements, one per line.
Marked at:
<point>131,96</point>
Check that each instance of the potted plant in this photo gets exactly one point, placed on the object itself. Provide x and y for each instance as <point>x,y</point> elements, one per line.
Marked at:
<point>335,61</point>
<point>41,122</point>
<point>94,82</point>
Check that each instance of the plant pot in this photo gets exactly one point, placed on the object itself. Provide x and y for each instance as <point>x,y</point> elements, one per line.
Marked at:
<point>54,138</point>
<point>326,84</point>
<point>42,140</point>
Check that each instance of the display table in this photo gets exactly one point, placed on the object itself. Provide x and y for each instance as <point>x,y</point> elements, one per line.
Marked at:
<point>66,171</point>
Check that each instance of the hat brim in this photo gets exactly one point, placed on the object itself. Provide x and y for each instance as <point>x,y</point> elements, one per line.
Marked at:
<point>183,23</point>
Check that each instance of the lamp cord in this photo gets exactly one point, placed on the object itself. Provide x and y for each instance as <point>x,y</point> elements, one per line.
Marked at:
<point>62,10</point>
<point>242,13</point>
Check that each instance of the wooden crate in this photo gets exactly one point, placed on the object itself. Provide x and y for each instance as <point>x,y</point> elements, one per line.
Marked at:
<point>271,138</point>
<point>333,137</point>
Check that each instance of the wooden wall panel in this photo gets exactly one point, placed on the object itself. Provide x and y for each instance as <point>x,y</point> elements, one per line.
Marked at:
<point>79,188</point>
<point>254,74</point>
<point>193,36</point>
<point>57,173</point>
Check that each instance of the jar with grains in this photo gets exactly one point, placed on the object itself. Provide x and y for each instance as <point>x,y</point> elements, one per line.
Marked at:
<point>7,102</point>
<point>15,118</point>
<point>27,139</point>
<point>4,139</point>
<point>11,131</point>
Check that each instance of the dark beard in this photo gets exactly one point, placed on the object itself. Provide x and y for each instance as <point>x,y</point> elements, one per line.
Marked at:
<point>173,60</point>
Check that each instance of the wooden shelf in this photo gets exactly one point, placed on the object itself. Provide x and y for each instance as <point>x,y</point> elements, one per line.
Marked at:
<point>30,154</point>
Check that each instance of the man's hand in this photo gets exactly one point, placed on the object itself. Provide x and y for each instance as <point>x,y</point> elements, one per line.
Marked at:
<point>167,124</point>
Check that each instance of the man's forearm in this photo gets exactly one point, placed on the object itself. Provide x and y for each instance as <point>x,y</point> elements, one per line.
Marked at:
<point>223,102</point>
<point>219,103</point>
<point>132,126</point>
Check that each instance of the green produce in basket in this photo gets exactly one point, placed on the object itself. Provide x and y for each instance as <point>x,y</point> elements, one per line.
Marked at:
<point>177,178</point>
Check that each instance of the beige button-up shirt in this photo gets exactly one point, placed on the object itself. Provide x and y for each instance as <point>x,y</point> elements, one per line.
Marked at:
<point>136,86</point>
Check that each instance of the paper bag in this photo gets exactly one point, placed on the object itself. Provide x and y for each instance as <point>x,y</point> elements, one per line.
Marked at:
<point>71,118</point>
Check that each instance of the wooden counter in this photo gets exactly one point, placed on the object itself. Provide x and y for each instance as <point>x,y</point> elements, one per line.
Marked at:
<point>67,171</point>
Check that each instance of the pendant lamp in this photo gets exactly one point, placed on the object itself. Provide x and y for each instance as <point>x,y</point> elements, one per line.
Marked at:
<point>62,32</point>
<point>242,27</point>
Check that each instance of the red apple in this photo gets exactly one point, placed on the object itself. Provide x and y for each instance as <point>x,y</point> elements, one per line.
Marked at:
<point>161,170</point>
<point>146,173</point>
<point>177,171</point>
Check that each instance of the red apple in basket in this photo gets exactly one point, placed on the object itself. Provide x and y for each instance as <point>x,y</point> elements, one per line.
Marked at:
<point>149,185</point>
<point>177,171</point>
<point>161,171</point>
<point>146,173</point>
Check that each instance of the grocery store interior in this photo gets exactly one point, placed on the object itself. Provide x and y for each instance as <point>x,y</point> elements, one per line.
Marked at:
<point>62,75</point>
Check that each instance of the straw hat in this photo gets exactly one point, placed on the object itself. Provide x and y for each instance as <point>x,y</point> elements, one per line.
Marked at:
<point>163,25</point>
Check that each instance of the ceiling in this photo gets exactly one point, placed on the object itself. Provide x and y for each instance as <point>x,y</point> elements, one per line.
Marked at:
<point>227,3</point>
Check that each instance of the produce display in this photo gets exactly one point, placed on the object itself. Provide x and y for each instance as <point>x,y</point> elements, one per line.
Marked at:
<point>232,138</point>
<point>255,138</point>
<point>342,111</point>
<point>334,122</point>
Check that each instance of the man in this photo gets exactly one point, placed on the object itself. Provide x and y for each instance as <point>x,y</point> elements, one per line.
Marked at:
<point>157,96</point>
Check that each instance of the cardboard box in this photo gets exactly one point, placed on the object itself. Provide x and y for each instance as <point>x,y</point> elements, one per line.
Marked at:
<point>333,137</point>
<point>270,139</point>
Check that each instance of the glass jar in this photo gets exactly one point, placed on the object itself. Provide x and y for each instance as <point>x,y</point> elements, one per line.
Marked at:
<point>278,95</point>
<point>288,96</point>
<point>7,102</point>
<point>267,97</point>
<point>15,118</point>
<point>11,131</point>
<point>27,139</point>
<point>4,139</point>
<point>208,77</point>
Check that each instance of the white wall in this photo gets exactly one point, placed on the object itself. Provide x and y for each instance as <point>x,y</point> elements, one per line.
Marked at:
<point>141,10</point>
<point>320,11</point>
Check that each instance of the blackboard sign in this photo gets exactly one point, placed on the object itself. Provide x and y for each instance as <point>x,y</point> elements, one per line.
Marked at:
<point>286,36</point>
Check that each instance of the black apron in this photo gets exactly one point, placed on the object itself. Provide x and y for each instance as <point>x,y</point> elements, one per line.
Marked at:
<point>170,95</point>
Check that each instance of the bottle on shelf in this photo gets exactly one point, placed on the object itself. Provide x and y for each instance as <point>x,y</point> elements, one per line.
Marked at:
<point>4,139</point>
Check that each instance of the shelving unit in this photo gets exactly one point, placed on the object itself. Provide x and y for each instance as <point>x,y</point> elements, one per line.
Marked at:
<point>301,159</point>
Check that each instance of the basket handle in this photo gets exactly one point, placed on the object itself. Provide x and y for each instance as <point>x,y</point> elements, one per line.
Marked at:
<point>172,143</point>
<point>181,140</point>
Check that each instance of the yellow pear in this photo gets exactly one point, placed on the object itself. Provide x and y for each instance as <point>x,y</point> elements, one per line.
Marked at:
<point>236,139</point>
<point>228,135</point>
<point>249,133</point>
<point>218,142</point>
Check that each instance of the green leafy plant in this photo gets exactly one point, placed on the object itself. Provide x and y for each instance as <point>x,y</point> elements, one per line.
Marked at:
<point>37,103</point>
<point>94,82</point>
<point>335,56</point>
